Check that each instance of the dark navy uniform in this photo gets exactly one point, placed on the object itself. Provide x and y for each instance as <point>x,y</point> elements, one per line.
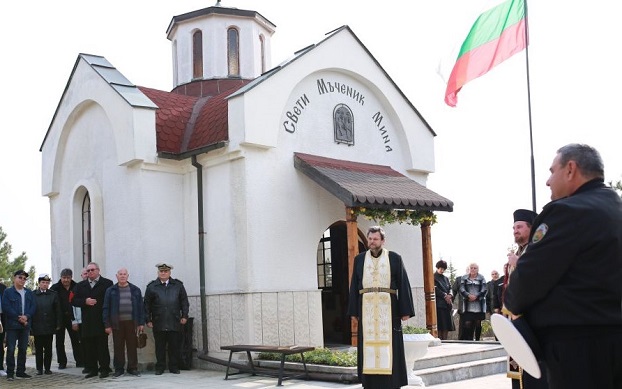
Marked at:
<point>568,285</point>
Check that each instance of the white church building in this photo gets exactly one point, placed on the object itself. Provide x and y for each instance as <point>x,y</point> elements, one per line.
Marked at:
<point>245,177</point>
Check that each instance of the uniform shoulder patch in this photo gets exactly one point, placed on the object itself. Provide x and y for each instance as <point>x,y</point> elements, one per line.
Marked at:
<point>540,232</point>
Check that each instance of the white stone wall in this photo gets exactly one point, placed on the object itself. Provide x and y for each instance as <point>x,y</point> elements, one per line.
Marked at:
<point>283,318</point>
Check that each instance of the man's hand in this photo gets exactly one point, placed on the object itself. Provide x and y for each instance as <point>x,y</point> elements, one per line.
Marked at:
<point>75,327</point>
<point>90,301</point>
<point>23,320</point>
<point>512,259</point>
<point>183,320</point>
<point>150,324</point>
<point>108,330</point>
<point>404,318</point>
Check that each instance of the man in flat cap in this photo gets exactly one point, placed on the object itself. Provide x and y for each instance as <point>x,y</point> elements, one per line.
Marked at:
<point>166,307</point>
<point>18,305</point>
<point>46,321</point>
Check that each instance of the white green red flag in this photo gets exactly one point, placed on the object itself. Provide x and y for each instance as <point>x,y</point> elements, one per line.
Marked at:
<point>497,34</point>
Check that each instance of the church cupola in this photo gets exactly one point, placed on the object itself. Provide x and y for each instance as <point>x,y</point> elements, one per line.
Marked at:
<point>219,43</point>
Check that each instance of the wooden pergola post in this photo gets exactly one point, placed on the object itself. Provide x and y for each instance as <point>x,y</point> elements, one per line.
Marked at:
<point>428,279</point>
<point>353,250</point>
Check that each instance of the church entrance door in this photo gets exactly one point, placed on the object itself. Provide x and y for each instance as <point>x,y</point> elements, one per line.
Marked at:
<point>332,275</point>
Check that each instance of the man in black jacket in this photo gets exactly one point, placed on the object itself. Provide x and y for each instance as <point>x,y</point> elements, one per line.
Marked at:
<point>46,322</point>
<point>166,308</point>
<point>2,371</point>
<point>89,296</point>
<point>567,284</point>
<point>64,289</point>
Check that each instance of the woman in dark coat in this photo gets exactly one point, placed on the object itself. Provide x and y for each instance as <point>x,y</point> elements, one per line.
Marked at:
<point>444,298</point>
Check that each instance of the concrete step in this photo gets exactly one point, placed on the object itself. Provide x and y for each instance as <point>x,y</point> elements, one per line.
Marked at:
<point>456,353</point>
<point>462,371</point>
<point>455,361</point>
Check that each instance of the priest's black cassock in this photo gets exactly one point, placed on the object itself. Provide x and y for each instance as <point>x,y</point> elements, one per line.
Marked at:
<point>401,305</point>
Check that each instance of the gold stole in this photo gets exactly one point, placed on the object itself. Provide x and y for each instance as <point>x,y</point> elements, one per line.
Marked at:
<point>377,326</point>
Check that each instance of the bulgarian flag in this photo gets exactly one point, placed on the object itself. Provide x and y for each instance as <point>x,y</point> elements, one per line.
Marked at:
<point>497,34</point>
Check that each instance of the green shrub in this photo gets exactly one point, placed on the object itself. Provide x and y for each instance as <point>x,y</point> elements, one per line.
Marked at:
<point>408,329</point>
<point>319,356</point>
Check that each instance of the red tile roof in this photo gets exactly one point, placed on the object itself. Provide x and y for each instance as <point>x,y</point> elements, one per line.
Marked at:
<point>187,123</point>
<point>365,185</point>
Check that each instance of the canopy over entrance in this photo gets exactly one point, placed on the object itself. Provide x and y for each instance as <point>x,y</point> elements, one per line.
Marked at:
<point>375,186</point>
<point>365,185</point>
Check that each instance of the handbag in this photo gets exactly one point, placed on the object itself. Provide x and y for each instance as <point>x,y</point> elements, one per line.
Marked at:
<point>141,340</point>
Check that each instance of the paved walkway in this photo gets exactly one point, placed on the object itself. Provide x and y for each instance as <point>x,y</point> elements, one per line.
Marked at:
<point>207,379</point>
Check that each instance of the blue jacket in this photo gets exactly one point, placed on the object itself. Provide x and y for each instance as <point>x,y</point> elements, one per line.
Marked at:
<point>111,306</point>
<point>12,308</point>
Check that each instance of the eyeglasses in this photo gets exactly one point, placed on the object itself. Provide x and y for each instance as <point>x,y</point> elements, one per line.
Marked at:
<point>21,277</point>
<point>90,270</point>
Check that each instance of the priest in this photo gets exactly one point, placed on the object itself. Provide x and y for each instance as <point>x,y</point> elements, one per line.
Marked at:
<point>380,298</point>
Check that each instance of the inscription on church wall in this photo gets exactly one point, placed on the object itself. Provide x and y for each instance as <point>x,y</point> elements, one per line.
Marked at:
<point>302,103</point>
<point>294,113</point>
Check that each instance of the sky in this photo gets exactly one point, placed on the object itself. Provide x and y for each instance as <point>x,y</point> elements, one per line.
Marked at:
<point>482,147</point>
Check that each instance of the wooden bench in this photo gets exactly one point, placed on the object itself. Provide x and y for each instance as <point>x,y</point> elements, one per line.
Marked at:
<point>283,350</point>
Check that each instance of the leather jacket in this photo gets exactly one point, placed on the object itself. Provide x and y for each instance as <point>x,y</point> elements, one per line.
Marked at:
<point>48,317</point>
<point>166,305</point>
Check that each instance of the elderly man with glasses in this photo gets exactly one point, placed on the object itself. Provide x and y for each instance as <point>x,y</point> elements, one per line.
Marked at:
<point>18,305</point>
<point>89,296</point>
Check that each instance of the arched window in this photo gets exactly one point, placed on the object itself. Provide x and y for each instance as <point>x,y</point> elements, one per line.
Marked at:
<point>86,230</point>
<point>262,43</point>
<point>197,54</point>
<point>233,52</point>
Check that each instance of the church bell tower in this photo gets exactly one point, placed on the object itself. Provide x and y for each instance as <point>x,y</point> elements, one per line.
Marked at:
<point>218,46</point>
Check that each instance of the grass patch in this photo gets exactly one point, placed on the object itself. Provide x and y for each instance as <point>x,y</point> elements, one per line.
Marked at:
<point>319,356</point>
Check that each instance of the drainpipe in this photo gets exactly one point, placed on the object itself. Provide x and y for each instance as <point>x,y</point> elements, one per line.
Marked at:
<point>201,252</point>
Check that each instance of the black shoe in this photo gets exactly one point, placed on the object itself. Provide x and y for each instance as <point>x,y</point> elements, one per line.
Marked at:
<point>9,377</point>
<point>91,374</point>
<point>134,373</point>
<point>175,371</point>
<point>85,371</point>
<point>159,372</point>
<point>118,373</point>
<point>77,365</point>
<point>23,375</point>
<point>39,372</point>
<point>48,371</point>
<point>104,374</point>
<point>62,366</point>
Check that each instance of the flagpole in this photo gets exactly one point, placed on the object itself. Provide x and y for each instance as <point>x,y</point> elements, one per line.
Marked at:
<point>533,169</point>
